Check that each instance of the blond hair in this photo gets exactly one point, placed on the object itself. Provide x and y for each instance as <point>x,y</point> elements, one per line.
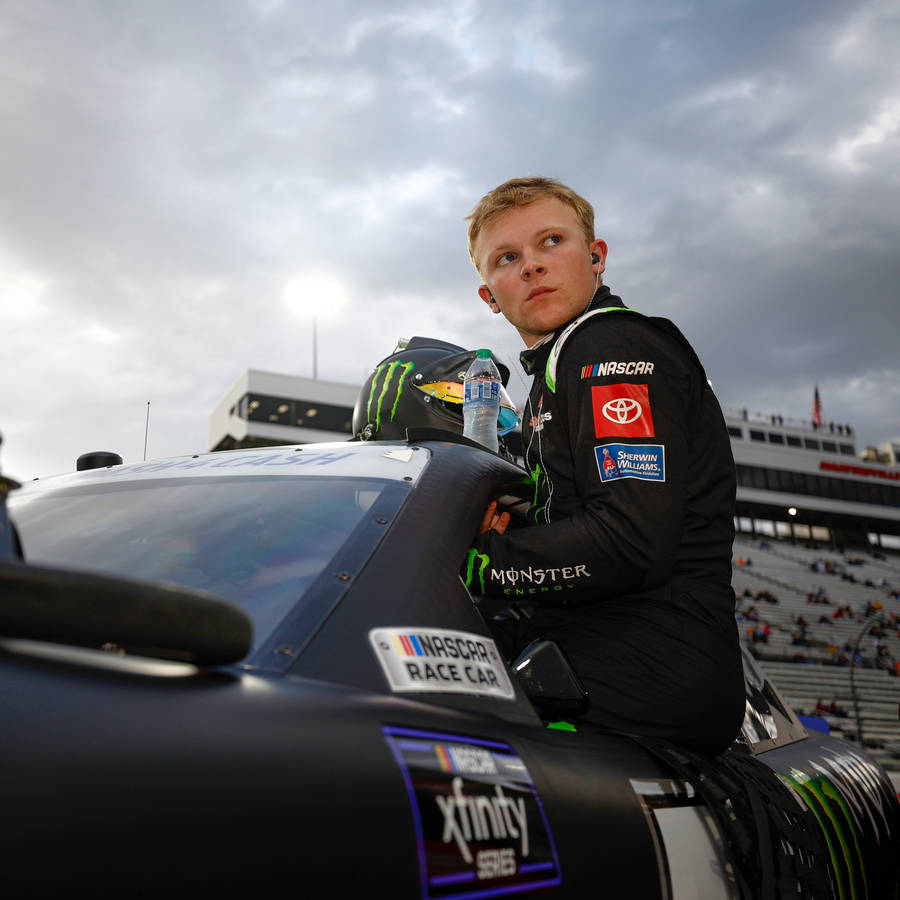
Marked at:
<point>521,192</point>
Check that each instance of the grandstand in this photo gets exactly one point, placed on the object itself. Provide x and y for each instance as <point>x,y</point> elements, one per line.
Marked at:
<point>819,521</point>
<point>825,627</point>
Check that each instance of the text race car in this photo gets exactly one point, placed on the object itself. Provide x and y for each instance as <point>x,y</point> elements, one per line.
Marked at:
<point>260,671</point>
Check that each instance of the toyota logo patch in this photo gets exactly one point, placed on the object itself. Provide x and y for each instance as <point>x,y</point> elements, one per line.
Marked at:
<point>622,410</point>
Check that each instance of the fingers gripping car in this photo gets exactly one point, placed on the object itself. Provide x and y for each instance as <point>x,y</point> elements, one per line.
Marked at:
<point>260,670</point>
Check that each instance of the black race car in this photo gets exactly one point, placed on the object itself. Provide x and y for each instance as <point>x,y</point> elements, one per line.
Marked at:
<point>260,673</point>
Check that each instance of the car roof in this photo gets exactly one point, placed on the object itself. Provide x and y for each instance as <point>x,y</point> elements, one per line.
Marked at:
<point>389,460</point>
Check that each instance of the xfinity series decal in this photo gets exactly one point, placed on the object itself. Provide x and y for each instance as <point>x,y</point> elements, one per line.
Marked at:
<point>436,659</point>
<point>480,825</point>
<point>646,462</point>
<point>621,410</point>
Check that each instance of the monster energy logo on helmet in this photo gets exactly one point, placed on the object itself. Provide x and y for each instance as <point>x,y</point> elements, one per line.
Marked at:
<point>382,379</point>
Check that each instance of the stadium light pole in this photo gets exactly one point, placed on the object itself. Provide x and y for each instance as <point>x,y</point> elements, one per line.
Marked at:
<point>853,694</point>
<point>309,295</point>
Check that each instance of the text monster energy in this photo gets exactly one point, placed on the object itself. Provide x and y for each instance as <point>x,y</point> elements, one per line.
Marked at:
<point>385,372</point>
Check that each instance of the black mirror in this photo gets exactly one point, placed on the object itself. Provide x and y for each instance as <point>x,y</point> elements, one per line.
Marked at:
<point>550,682</point>
<point>158,620</point>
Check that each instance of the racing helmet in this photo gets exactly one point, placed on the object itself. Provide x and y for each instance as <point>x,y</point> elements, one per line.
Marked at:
<point>421,385</point>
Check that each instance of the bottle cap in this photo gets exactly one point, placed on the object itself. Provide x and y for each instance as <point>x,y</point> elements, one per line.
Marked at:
<point>483,354</point>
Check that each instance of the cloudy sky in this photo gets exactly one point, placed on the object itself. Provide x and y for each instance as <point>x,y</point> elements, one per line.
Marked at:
<point>168,169</point>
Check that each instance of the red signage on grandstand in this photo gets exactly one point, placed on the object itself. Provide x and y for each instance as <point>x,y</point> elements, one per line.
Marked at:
<point>859,470</point>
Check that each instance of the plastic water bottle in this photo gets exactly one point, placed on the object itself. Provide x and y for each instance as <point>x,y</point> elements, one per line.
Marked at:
<point>481,401</point>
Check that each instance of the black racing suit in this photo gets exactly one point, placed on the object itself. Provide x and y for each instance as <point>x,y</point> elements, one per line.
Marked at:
<point>629,553</point>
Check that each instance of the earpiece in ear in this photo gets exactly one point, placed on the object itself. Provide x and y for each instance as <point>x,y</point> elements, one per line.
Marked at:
<point>595,258</point>
<point>493,302</point>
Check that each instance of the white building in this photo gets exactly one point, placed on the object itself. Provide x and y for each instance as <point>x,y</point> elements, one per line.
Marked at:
<point>796,480</point>
<point>265,408</point>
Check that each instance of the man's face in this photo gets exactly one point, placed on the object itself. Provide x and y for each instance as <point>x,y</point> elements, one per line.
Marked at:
<point>537,266</point>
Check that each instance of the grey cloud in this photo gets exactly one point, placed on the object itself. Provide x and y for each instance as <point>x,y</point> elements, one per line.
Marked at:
<point>167,167</point>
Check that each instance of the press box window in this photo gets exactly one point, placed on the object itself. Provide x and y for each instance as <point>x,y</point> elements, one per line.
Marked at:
<point>829,446</point>
<point>757,435</point>
<point>735,432</point>
<point>776,438</point>
<point>811,443</point>
<point>305,413</point>
<point>793,441</point>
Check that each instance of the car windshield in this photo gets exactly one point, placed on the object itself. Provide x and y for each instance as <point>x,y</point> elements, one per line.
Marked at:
<point>258,542</point>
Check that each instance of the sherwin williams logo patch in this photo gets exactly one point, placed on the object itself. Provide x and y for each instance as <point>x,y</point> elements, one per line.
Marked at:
<point>644,461</point>
<point>622,410</point>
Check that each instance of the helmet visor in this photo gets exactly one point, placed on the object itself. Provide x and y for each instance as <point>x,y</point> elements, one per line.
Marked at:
<point>451,392</point>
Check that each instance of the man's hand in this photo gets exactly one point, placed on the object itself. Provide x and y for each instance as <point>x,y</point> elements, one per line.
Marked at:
<point>494,521</point>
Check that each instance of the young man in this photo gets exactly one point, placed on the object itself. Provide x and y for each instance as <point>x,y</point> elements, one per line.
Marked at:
<point>629,553</point>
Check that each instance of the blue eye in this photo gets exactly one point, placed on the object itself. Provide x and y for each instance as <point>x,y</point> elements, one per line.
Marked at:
<point>506,258</point>
<point>553,240</point>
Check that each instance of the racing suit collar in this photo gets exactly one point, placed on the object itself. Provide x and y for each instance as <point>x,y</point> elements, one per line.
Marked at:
<point>534,357</point>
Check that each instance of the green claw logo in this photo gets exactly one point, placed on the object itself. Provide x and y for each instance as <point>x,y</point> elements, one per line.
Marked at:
<point>836,822</point>
<point>483,560</point>
<point>387,370</point>
<point>534,479</point>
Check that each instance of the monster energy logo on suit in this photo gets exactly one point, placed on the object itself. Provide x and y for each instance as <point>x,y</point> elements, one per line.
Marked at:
<point>483,560</point>
<point>388,376</point>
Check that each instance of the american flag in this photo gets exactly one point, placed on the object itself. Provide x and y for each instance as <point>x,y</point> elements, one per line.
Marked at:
<point>817,409</point>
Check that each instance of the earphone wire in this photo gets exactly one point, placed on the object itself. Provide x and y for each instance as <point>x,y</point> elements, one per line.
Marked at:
<point>536,423</point>
<point>535,430</point>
